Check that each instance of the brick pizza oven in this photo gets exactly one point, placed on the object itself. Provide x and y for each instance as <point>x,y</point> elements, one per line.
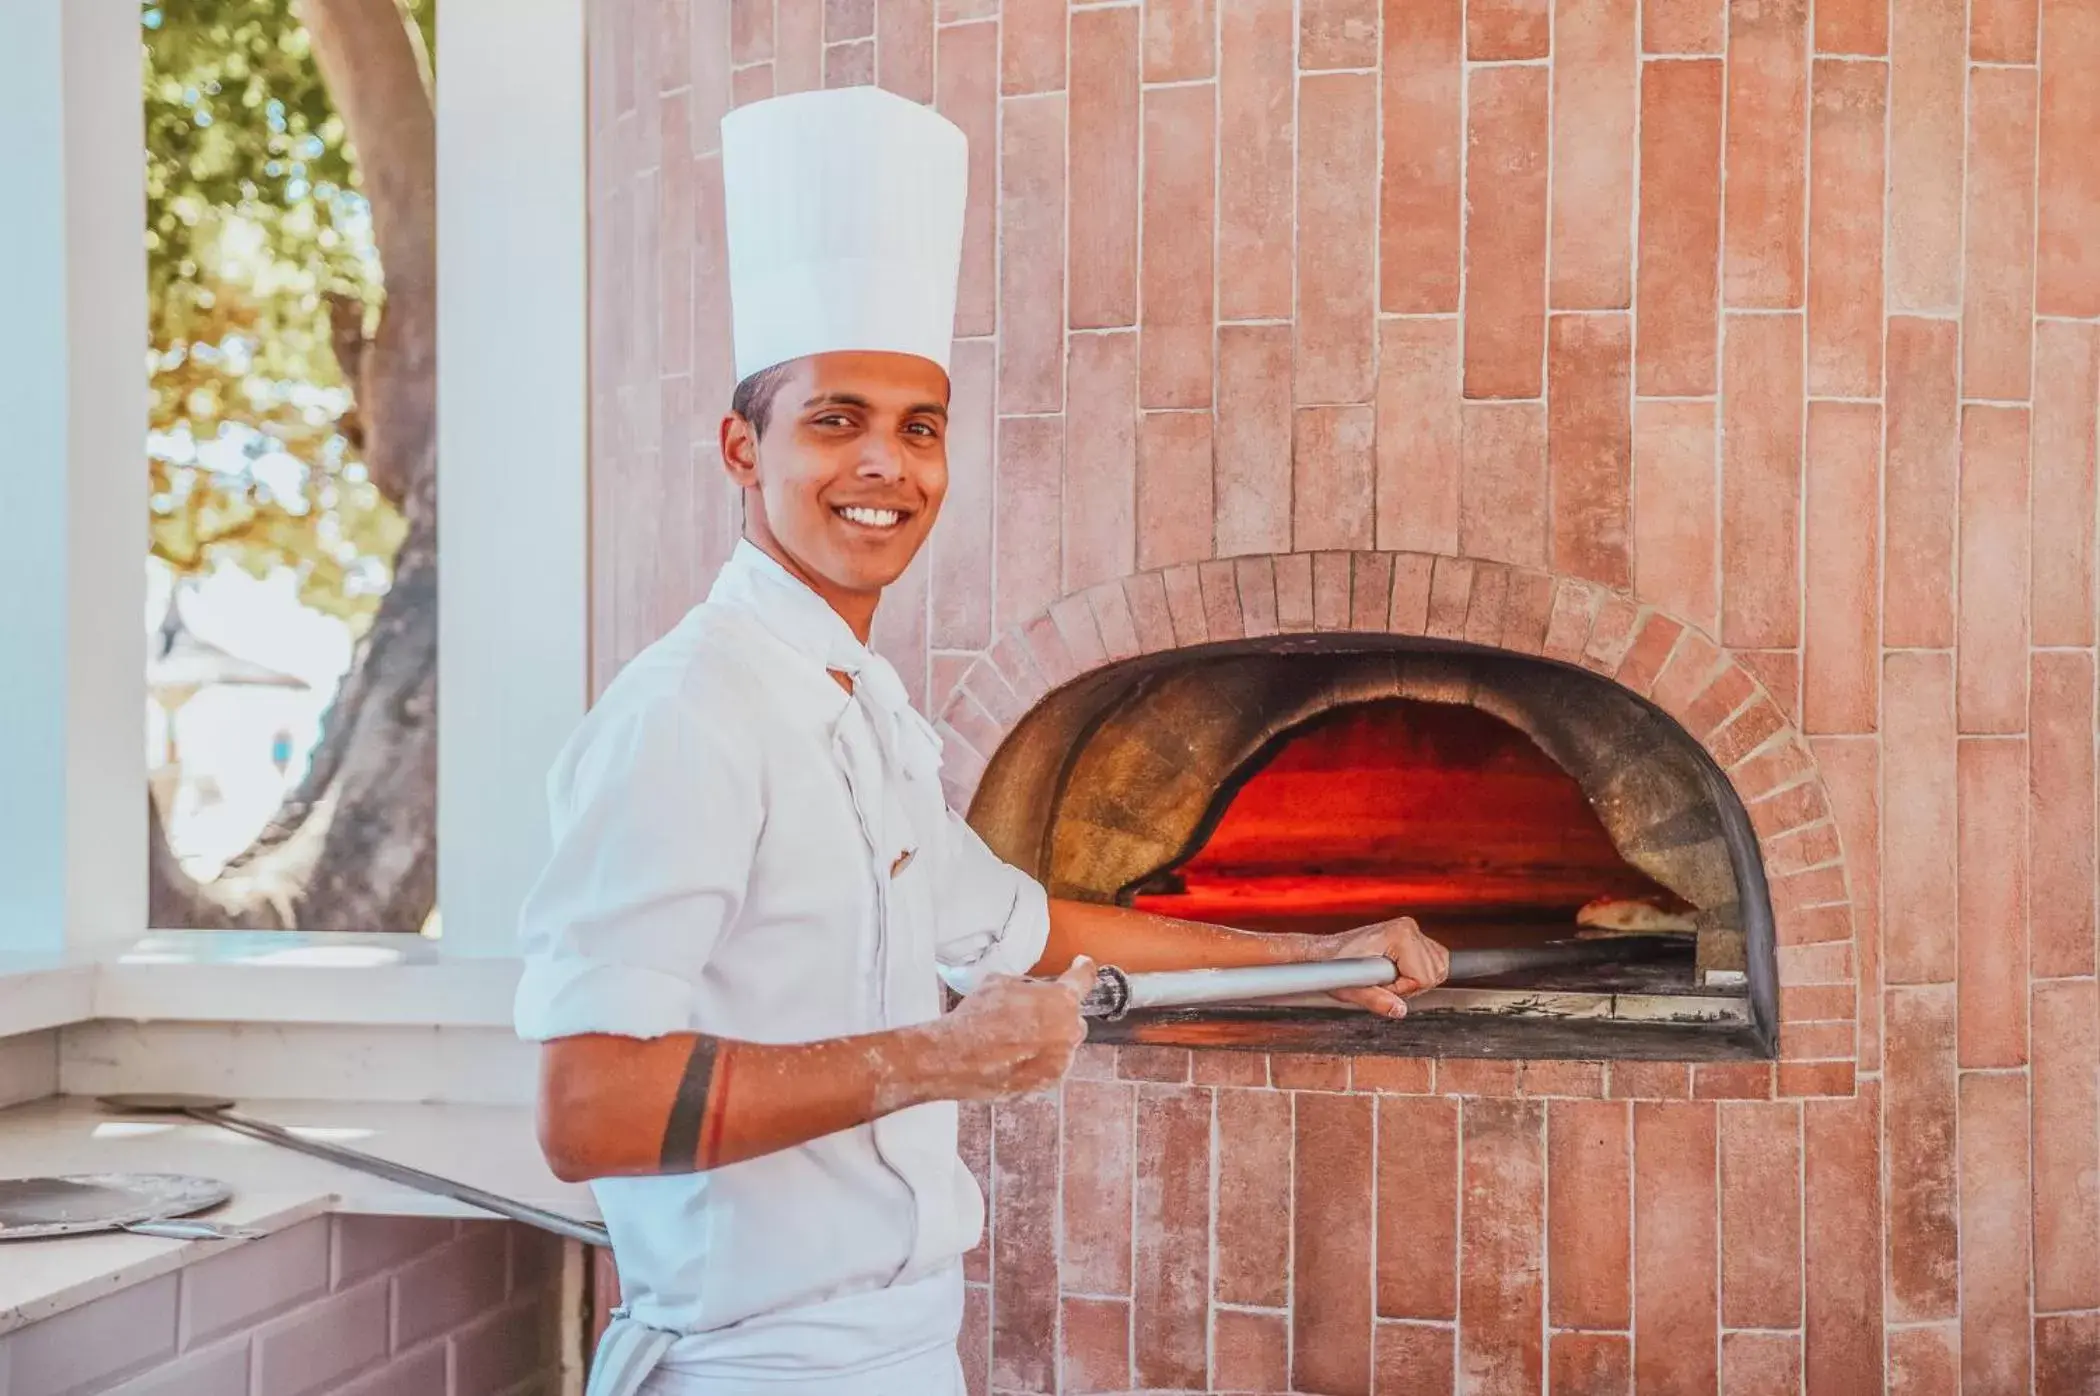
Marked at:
<point>1392,469</point>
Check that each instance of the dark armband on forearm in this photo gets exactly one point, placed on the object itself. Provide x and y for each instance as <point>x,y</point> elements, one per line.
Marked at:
<point>692,1134</point>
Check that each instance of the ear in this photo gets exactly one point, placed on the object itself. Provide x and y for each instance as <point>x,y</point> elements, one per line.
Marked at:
<point>739,450</point>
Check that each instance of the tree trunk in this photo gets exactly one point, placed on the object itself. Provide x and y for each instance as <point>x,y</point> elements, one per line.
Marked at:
<point>355,846</point>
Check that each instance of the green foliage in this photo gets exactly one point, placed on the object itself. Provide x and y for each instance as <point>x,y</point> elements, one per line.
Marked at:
<point>253,221</point>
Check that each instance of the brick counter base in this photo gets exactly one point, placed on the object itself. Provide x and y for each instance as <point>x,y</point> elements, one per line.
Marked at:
<point>347,1306</point>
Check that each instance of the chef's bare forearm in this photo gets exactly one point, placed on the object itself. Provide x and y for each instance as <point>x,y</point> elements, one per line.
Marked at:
<point>1140,942</point>
<point>628,1107</point>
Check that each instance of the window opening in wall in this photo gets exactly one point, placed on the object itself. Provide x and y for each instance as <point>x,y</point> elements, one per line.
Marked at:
<point>291,620</point>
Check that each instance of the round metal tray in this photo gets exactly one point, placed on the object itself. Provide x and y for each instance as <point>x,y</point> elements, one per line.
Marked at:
<point>87,1202</point>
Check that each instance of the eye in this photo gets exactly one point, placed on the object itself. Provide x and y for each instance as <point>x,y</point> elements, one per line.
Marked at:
<point>834,419</point>
<point>925,429</point>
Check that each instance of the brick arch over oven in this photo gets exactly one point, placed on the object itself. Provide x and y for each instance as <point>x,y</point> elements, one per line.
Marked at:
<point>1710,693</point>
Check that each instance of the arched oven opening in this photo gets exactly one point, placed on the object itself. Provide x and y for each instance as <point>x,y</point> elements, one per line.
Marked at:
<point>1311,784</point>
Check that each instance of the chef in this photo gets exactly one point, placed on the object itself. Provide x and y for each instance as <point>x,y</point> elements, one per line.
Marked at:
<point>735,956</point>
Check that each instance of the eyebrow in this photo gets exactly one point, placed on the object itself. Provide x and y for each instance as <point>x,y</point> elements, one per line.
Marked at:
<point>856,400</point>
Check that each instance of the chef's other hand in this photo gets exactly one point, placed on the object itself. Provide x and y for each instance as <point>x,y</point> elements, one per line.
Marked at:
<point>1014,1036</point>
<point>1423,964</point>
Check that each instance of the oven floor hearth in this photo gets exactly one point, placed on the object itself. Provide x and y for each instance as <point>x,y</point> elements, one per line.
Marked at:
<point>1434,1034</point>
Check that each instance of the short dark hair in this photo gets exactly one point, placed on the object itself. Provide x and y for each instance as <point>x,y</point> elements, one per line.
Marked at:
<point>753,399</point>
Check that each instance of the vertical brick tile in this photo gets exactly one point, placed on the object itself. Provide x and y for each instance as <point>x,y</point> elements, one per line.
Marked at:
<point>1761,408</point>
<point>2060,824</point>
<point>1992,799</point>
<point>1760,1214</point>
<point>848,19</point>
<point>1676,534</point>
<point>1928,49</point>
<point>1332,478</point>
<point>1031,46</point>
<point>1683,26</point>
<point>974,1343</point>
<point>1450,593</point>
<point>1674,1247</point>
<point>1846,165</point>
<point>1918,818</point>
<point>1257,589</point>
<point>1024,1243</point>
<point>750,31</point>
<point>1100,475</point>
<point>850,65</point>
<point>904,41</point>
<point>1501,1242</point>
<point>1337,34</point>
<point>1179,37</point>
<point>1104,168</point>
<point>1852,27</point>
<point>2066,1354</point>
<point>1755,1363</point>
<point>1994,1220</point>
<point>1676,293</point>
<point>1096,1345</point>
<point>968,95</point>
<point>1337,236</point>
<point>2067,268</point>
<point>1589,445</point>
<point>1424,114</point>
<point>1851,769</point>
<point>1767,153</point>
<point>1502,493</point>
<point>2067,383</point>
<point>1331,1246</point>
<point>1249,1351</point>
<point>1172,1283</point>
<point>752,84</point>
<point>1506,140</point>
<point>1254,1197</point>
<point>1418,457</point>
<point>798,46</point>
<point>1841,1279</point>
<point>1174,505</point>
<point>1418,1219</point>
<point>1503,30</point>
<point>1031,264</point>
<point>2002,31</point>
<point>1028,501</point>
<point>1590,1364</point>
<point>1997,324</point>
<point>1098,1143</point>
<point>1919,1123</point>
<point>962,545</point>
<point>1370,602</point>
<point>1294,593</point>
<point>1841,643</point>
<point>1254,439</point>
<point>1920,493</point>
<point>1589,1178</point>
<point>1413,1358</point>
<point>1923,1361</point>
<point>1596,94</point>
<point>1330,594</point>
<point>1175,369</point>
<point>2066,1113</point>
<point>1256,90</point>
<point>1991,634</point>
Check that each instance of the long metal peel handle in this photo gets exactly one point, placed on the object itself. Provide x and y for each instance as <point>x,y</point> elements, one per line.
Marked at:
<point>1116,993</point>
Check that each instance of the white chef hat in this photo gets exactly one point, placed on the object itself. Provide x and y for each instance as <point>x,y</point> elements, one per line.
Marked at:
<point>845,218</point>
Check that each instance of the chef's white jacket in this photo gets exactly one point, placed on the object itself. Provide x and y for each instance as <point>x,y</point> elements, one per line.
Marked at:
<point>743,849</point>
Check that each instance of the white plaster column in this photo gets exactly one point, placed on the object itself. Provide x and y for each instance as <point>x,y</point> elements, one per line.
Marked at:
<point>513,492</point>
<point>73,484</point>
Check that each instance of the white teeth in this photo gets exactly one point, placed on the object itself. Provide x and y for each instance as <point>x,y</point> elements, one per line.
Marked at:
<point>873,518</point>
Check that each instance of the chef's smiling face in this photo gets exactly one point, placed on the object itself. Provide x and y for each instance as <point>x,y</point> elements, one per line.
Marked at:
<point>843,459</point>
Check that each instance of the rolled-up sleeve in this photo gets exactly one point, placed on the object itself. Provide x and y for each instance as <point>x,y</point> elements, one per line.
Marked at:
<point>655,818</point>
<point>993,918</point>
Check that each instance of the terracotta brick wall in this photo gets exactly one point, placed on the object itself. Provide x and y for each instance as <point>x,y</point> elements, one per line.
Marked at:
<point>348,1306</point>
<point>1747,350</point>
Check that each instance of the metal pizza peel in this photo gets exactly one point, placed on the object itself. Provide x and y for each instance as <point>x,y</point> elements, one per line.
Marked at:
<point>145,1204</point>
